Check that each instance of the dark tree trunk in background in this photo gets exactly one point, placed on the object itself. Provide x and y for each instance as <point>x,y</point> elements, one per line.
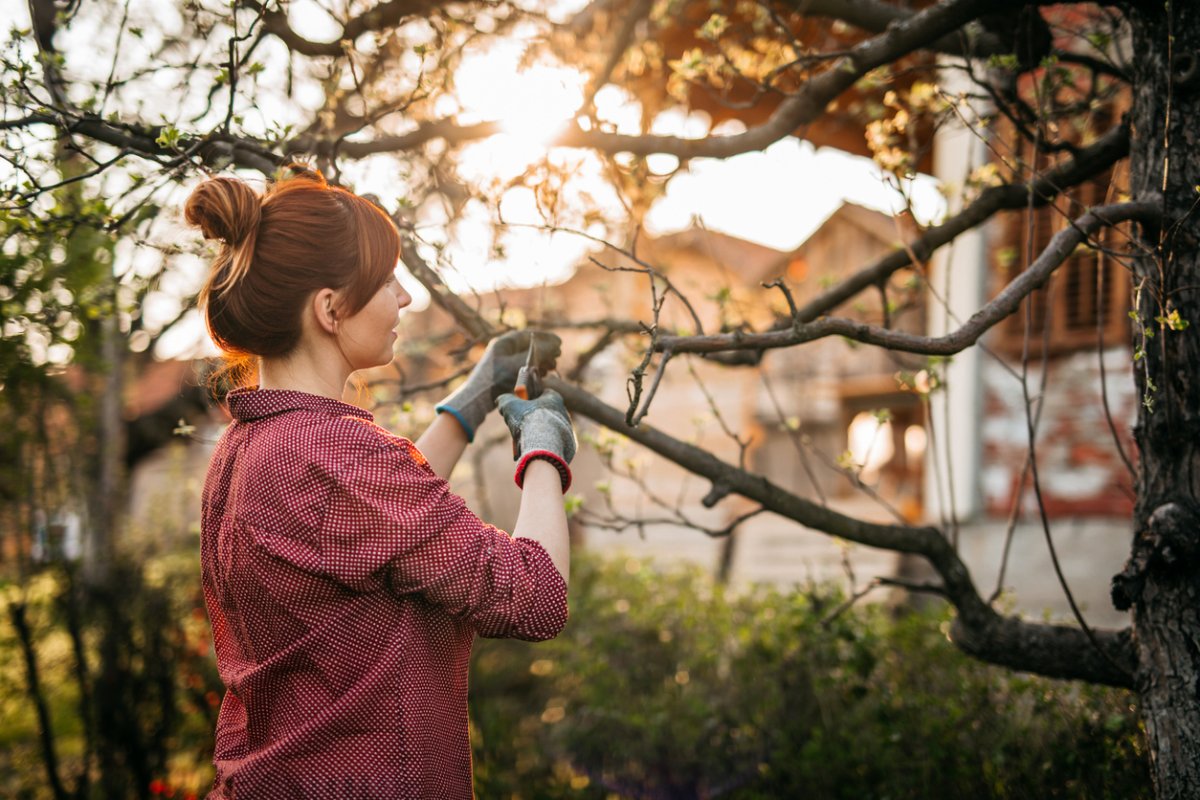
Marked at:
<point>1163,579</point>
<point>108,471</point>
<point>33,685</point>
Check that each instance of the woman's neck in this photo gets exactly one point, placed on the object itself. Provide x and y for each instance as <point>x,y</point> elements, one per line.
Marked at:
<point>301,372</point>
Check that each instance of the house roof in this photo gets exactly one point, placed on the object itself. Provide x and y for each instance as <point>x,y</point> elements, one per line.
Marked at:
<point>744,257</point>
<point>748,260</point>
<point>752,260</point>
<point>875,224</point>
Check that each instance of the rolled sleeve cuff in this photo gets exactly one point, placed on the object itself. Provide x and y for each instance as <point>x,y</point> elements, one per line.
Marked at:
<point>536,606</point>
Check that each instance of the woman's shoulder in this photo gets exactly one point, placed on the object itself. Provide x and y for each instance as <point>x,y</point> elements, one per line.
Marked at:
<point>328,441</point>
<point>353,447</point>
<point>345,434</point>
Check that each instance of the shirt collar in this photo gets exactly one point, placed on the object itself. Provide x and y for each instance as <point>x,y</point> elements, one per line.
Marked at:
<point>254,403</point>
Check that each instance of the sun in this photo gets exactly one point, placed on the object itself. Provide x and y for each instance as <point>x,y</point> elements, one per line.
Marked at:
<point>532,103</point>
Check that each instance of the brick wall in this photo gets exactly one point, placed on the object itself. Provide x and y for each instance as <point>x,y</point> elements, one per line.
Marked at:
<point>1082,474</point>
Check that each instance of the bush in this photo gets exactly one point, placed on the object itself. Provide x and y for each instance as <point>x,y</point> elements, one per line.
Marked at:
<point>665,685</point>
<point>662,685</point>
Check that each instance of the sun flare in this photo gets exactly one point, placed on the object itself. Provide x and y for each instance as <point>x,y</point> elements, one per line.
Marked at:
<point>532,104</point>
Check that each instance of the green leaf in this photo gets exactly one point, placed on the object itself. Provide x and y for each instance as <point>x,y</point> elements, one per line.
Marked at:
<point>168,138</point>
<point>1007,61</point>
<point>714,27</point>
<point>572,503</point>
<point>1175,322</point>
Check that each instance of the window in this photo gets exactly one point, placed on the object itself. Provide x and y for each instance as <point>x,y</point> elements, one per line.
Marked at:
<point>1089,291</point>
<point>885,437</point>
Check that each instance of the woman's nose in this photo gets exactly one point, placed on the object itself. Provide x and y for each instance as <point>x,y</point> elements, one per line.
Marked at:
<point>403,298</point>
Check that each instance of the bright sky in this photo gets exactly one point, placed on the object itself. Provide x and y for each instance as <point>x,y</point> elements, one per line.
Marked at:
<point>780,196</point>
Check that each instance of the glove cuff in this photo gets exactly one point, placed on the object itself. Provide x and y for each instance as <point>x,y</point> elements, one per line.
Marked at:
<point>564,472</point>
<point>467,427</point>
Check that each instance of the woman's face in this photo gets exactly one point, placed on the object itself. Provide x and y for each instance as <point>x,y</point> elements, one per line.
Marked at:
<point>367,338</point>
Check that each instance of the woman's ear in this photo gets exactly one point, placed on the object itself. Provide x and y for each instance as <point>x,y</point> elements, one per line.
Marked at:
<point>324,307</point>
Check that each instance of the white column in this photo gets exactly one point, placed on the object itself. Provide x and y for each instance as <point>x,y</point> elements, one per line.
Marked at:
<point>959,278</point>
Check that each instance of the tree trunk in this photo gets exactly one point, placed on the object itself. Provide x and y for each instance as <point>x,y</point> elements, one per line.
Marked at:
<point>33,684</point>
<point>1162,580</point>
<point>107,478</point>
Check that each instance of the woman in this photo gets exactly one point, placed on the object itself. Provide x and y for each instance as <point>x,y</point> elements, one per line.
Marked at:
<point>344,581</point>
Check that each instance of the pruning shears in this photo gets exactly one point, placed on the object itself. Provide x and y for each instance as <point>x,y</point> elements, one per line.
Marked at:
<point>529,377</point>
<point>529,385</point>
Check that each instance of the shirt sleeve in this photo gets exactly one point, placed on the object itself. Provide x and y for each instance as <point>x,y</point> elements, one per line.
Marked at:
<point>392,524</point>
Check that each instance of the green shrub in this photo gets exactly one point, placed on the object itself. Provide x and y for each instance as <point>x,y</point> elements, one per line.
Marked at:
<point>151,683</point>
<point>662,685</point>
<point>665,685</point>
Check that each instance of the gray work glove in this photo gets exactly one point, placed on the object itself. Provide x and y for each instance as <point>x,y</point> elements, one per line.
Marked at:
<point>496,373</point>
<point>541,429</point>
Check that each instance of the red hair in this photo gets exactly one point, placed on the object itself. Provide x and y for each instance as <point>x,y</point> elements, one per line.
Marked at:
<point>277,248</point>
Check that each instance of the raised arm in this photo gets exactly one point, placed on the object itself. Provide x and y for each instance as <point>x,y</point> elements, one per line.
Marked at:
<point>545,446</point>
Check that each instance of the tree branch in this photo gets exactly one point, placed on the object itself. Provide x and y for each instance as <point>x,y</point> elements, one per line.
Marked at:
<point>444,129</point>
<point>633,18</point>
<point>1102,154</point>
<point>1059,250</point>
<point>142,140</point>
<point>1056,651</point>
<point>874,17</point>
<point>385,15</point>
<point>902,36</point>
<point>447,300</point>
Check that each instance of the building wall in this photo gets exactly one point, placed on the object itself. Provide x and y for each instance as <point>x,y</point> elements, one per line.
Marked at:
<point>1090,551</point>
<point>1082,474</point>
<point>1086,488</point>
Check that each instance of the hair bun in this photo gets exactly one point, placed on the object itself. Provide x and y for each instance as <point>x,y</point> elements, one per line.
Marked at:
<point>295,170</point>
<point>226,209</point>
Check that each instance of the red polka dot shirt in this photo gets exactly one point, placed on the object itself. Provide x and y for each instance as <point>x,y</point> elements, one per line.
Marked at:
<point>344,583</point>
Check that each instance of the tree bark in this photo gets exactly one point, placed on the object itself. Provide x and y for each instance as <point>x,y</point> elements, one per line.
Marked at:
<point>33,684</point>
<point>1162,581</point>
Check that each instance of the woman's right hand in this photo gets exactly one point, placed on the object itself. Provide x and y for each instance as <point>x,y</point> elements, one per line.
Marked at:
<point>541,429</point>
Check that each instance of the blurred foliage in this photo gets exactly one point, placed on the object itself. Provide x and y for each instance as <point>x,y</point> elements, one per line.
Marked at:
<point>663,685</point>
<point>148,706</point>
<point>60,302</point>
<point>669,685</point>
